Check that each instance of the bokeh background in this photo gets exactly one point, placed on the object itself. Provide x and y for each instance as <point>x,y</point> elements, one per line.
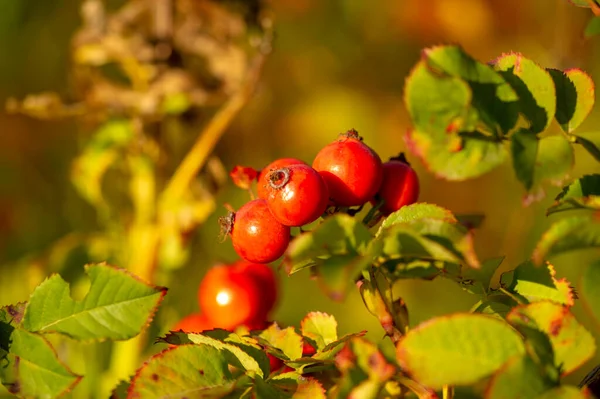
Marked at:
<point>336,65</point>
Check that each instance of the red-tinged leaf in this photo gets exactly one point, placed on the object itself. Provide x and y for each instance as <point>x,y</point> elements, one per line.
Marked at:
<point>572,344</point>
<point>534,86</point>
<point>193,370</point>
<point>319,327</point>
<point>243,176</point>
<point>539,283</point>
<point>575,97</point>
<point>118,306</point>
<point>286,340</point>
<point>448,350</point>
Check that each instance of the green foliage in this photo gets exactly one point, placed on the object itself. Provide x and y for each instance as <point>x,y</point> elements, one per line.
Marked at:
<point>462,111</point>
<point>572,344</point>
<point>117,306</point>
<point>583,193</point>
<point>103,313</point>
<point>456,349</point>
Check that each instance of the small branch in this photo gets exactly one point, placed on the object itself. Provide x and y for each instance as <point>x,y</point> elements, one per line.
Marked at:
<point>207,140</point>
<point>419,390</point>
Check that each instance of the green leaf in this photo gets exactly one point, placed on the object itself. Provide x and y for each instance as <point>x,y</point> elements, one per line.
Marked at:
<point>449,349</point>
<point>538,284</point>
<point>400,242</point>
<point>32,368</point>
<point>568,234</point>
<point>364,370</point>
<point>590,142</point>
<point>524,149</point>
<point>555,159</point>
<point>583,193</point>
<point>495,305</point>
<point>245,348</point>
<point>320,327</point>
<point>286,340</point>
<point>478,281</point>
<point>296,387</point>
<point>416,211</point>
<point>590,295</point>
<point>118,306</point>
<point>573,345</point>
<point>337,274</point>
<point>564,392</point>
<point>592,28</point>
<point>493,99</point>
<point>460,159</point>
<point>574,97</point>
<point>520,377</point>
<point>241,357</point>
<point>444,122</point>
<point>340,234</point>
<point>534,86</point>
<point>187,370</point>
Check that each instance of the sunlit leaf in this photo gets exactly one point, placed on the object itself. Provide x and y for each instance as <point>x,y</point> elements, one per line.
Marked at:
<point>493,100</point>
<point>583,193</point>
<point>568,234</point>
<point>572,343</point>
<point>539,283</point>
<point>449,349</point>
<point>32,368</point>
<point>417,211</point>
<point>440,107</point>
<point>117,306</point>
<point>320,327</point>
<point>194,370</point>
<point>287,340</point>
<point>574,97</point>
<point>534,86</point>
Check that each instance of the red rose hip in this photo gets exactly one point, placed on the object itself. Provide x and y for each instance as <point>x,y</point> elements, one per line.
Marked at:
<point>262,182</point>
<point>229,298</point>
<point>400,186</point>
<point>351,170</point>
<point>297,196</point>
<point>264,278</point>
<point>256,235</point>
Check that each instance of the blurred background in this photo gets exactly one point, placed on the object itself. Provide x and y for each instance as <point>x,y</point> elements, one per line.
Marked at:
<point>335,65</point>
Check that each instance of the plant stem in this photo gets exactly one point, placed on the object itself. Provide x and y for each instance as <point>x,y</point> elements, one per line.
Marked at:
<point>202,148</point>
<point>448,392</point>
<point>419,390</point>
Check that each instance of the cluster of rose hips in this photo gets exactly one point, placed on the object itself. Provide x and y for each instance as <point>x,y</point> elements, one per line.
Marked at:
<point>346,173</point>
